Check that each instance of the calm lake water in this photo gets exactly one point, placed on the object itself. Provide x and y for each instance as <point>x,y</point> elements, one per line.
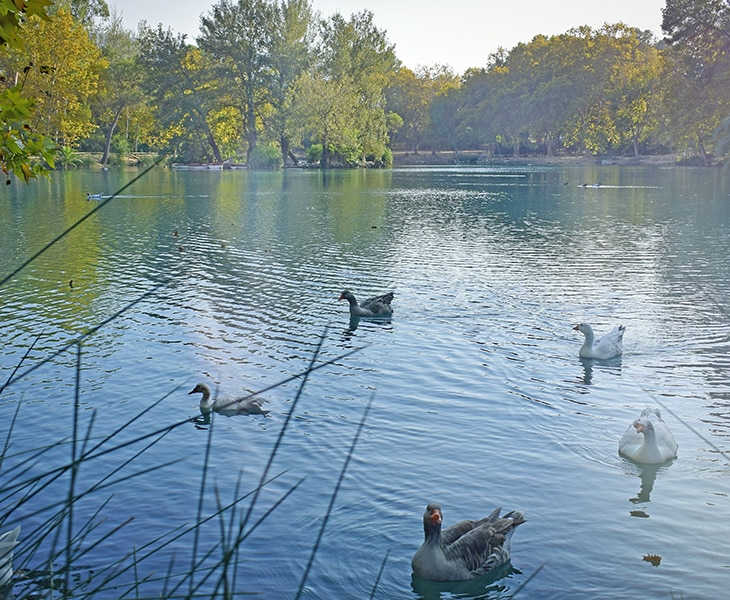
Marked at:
<point>478,396</point>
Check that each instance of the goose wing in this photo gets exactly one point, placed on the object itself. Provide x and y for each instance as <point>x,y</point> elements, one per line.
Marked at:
<point>252,405</point>
<point>611,344</point>
<point>481,545</point>
<point>378,304</point>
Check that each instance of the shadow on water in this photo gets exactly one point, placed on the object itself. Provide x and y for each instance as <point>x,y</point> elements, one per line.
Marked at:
<point>483,588</point>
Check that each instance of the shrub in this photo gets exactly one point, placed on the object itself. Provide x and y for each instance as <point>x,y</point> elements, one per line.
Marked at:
<point>266,156</point>
<point>314,154</point>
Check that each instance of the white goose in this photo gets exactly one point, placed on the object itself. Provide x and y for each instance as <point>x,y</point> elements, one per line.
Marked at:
<point>608,346</point>
<point>466,550</point>
<point>378,306</point>
<point>248,405</point>
<point>8,541</point>
<point>648,439</point>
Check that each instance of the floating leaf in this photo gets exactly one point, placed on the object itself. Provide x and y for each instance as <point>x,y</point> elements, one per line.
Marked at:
<point>654,559</point>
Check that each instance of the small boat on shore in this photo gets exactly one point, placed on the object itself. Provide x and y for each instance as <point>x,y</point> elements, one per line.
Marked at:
<point>197,166</point>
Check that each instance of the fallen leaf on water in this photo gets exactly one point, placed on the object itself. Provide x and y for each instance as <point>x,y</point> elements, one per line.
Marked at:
<point>653,559</point>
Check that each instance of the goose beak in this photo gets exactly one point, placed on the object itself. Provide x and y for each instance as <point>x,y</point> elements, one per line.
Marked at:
<point>576,328</point>
<point>639,427</point>
<point>436,518</point>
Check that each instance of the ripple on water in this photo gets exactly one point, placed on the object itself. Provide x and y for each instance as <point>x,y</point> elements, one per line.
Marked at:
<point>479,397</point>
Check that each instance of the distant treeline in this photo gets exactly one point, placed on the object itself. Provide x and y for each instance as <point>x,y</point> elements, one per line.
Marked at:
<point>269,82</point>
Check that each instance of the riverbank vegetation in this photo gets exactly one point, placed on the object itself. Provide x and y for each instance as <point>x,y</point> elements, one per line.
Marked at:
<point>271,82</point>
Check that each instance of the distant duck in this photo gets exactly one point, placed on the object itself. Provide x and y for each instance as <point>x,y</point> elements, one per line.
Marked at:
<point>248,405</point>
<point>608,346</point>
<point>648,439</point>
<point>93,196</point>
<point>8,541</point>
<point>466,550</point>
<point>378,306</point>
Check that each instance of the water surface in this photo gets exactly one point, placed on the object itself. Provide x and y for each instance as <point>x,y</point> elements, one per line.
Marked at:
<point>478,396</point>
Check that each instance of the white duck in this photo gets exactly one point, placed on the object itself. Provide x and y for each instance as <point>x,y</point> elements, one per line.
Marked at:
<point>608,346</point>
<point>466,550</point>
<point>248,405</point>
<point>8,541</point>
<point>379,306</point>
<point>648,439</point>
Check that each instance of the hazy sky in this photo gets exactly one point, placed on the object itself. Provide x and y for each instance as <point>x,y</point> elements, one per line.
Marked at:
<point>459,33</point>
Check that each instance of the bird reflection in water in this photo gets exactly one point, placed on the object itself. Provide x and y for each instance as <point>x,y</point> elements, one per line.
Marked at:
<point>481,588</point>
<point>355,320</point>
<point>589,363</point>
<point>647,476</point>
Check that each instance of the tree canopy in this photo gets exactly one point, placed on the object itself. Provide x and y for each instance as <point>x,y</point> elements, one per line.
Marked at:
<point>19,141</point>
<point>266,80</point>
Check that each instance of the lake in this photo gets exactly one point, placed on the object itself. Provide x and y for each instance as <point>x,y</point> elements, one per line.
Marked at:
<point>477,397</point>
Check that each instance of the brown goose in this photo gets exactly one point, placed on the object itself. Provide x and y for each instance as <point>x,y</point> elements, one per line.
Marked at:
<point>248,405</point>
<point>379,306</point>
<point>466,550</point>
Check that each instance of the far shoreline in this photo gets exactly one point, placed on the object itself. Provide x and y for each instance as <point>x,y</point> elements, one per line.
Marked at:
<point>403,159</point>
<point>446,158</point>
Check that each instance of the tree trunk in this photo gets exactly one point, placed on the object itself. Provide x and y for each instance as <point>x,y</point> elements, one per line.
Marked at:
<point>109,135</point>
<point>250,126</point>
<point>285,151</point>
<point>324,162</point>
<point>213,146</point>
<point>701,146</point>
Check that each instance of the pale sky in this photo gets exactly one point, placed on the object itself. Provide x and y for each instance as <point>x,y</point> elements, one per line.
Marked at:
<point>461,35</point>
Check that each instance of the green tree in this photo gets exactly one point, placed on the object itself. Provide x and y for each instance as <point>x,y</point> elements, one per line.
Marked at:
<point>19,140</point>
<point>697,90</point>
<point>65,76</point>
<point>357,55</point>
<point>291,43</point>
<point>238,36</point>
<point>701,28</point>
<point>121,83</point>
<point>179,81</point>
<point>85,11</point>
<point>12,16</point>
<point>547,80</point>
<point>589,127</point>
<point>477,97</point>
<point>410,94</point>
<point>634,84</point>
<point>326,109</point>
<point>446,108</point>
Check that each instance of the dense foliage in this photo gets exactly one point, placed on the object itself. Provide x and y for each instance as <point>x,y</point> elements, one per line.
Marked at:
<point>19,141</point>
<point>270,82</point>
